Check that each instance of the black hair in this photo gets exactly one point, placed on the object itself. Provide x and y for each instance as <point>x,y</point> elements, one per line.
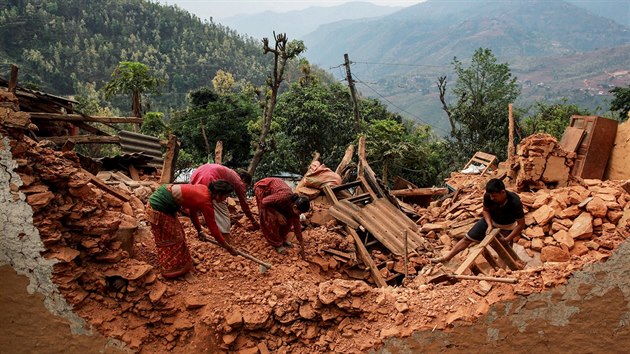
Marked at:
<point>495,185</point>
<point>220,187</point>
<point>301,202</point>
<point>246,177</point>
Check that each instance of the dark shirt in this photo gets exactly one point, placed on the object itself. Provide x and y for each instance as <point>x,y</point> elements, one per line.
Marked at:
<point>507,213</point>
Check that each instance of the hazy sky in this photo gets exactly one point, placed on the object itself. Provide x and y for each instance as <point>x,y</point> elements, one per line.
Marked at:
<point>219,9</point>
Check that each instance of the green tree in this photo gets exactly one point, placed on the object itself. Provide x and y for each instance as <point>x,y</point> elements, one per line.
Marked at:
<point>210,118</point>
<point>314,117</point>
<point>479,118</point>
<point>223,82</point>
<point>551,118</point>
<point>132,78</point>
<point>405,149</point>
<point>153,124</point>
<point>621,102</point>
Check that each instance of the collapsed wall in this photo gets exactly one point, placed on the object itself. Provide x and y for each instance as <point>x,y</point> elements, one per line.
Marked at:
<point>21,245</point>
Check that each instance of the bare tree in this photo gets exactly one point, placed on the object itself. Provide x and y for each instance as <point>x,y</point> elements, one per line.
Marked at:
<point>441,83</point>
<point>282,52</point>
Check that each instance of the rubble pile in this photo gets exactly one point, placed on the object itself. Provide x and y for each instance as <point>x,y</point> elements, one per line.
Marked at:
<point>541,163</point>
<point>94,227</point>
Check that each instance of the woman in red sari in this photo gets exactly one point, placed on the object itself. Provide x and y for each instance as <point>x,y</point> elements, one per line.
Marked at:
<point>279,210</point>
<point>170,240</point>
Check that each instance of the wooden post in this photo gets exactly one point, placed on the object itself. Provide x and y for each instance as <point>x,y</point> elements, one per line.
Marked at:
<point>367,259</point>
<point>168,169</point>
<point>353,94</point>
<point>218,152</point>
<point>510,133</point>
<point>13,79</point>
<point>361,155</point>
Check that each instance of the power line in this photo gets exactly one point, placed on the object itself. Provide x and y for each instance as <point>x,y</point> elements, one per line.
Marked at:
<point>398,64</point>
<point>400,108</point>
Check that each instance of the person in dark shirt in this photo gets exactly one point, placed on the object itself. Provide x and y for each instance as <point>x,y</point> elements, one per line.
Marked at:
<point>502,209</point>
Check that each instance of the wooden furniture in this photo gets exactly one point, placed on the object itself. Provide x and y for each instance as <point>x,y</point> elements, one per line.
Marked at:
<point>487,160</point>
<point>505,252</point>
<point>594,150</point>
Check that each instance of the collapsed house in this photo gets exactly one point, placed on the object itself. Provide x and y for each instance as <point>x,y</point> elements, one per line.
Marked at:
<point>367,277</point>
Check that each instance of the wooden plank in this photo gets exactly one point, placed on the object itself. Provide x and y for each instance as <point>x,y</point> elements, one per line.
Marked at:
<point>504,255</point>
<point>346,255</point>
<point>102,185</point>
<point>375,227</point>
<point>418,192</point>
<point>572,138</point>
<point>343,216</point>
<point>366,187</point>
<point>168,169</point>
<point>13,79</point>
<point>83,139</point>
<point>83,118</point>
<point>476,252</point>
<point>330,194</point>
<point>367,259</point>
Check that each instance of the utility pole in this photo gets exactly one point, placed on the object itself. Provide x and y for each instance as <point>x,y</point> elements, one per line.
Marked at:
<point>353,93</point>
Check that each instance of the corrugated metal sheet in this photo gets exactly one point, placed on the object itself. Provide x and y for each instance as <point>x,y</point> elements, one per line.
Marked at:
<point>149,145</point>
<point>138,159</point>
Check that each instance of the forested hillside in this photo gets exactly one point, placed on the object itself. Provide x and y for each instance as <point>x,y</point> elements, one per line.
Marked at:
<point>53,41</point>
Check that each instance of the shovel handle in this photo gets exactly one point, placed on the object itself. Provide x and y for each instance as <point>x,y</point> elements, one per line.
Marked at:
<point>243,254</point>
<point>474,277</point>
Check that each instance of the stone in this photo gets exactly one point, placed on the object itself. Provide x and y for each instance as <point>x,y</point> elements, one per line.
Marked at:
<point>582,227</point>
<point>537,244</point>
<point>597,208</point>
<point>234,319</point>
<point>229,338</point>
<point>126,208</point>
<point>40,199</point>
<point>262,348</point>
<point>540,200</point>
<point>307,312</point>
<point>570,213</point>
<point>534,232</point>
<point>483,288</point>
<point>432,227</point>
<point>564,238</point>
<point>194,302</point>
<point>446,241</point>
<point>579,249</point>
<point>157,292</point>
<point>389,332</point>
<point>402,307</point>
<point>554,254</point>
<point>64,254</point>
<point>256,318</point>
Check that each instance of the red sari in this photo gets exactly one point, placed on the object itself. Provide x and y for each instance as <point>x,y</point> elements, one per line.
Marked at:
<point>170,243</point>
<point>170,239</point>
<point>273,197</point>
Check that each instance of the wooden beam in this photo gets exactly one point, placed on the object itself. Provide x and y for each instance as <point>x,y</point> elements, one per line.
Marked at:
<point>345,161</point>
<point>83,118</point>
<point>102,185</point>
<point>13,79</point>
<point>168,169</point>
<point>367,259</point>
<point>418,191</point>
<point>361,155</point>
<point>218,152</point>
<point>511,147</point>
<point>83,139</point>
